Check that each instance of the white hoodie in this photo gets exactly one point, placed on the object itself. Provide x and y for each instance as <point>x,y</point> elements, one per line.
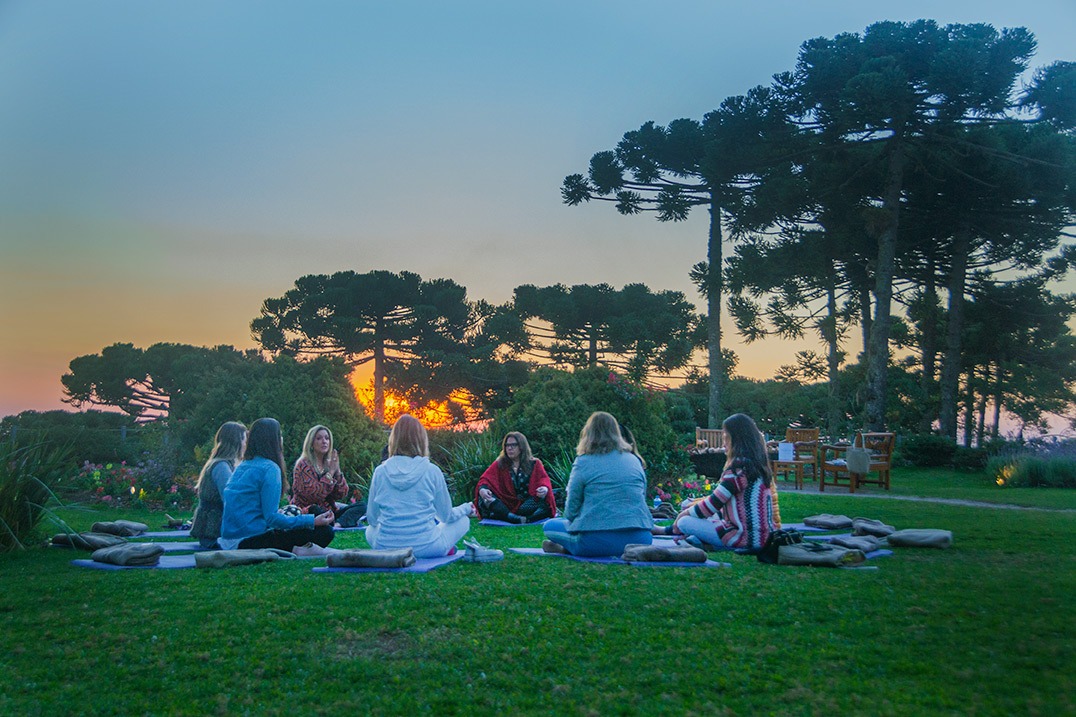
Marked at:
<point>407,494</point>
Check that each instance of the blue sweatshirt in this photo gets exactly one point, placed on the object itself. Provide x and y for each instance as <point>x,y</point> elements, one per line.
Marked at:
<point>251,500</point>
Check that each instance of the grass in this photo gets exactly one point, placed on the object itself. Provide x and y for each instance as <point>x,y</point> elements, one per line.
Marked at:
<point>983,628</point>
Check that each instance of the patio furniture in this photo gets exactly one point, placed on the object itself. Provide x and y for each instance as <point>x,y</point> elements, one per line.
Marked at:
<point>879,448</point>
<point>804,453</point>
<point>709,438</point>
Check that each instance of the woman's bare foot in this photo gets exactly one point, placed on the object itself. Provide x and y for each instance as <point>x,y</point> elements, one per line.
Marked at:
<point>550,547</point>
<point>308,550</point>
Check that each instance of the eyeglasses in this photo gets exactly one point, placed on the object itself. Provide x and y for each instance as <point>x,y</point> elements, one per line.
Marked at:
<point>511,445</point>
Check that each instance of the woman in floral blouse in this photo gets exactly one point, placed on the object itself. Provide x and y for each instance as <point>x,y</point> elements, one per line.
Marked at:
<point>317,481</point>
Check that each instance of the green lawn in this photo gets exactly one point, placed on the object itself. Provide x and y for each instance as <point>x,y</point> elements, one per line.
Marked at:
<point>983,628</point>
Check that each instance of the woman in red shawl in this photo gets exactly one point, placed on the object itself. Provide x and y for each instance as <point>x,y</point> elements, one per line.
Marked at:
<point>516,488</point>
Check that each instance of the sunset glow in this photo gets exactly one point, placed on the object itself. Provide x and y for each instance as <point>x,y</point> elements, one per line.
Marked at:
<point>433,415</point>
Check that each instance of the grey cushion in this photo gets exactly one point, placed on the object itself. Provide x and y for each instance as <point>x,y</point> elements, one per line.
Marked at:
<point>129,554</point>
<point>921,538</point>
<point>869,526</point>
<point>226,558</point>
<point>662,554</point>
<point>87,540</point>
<point>819,555</point>
<point>866,543</point>
<point>398,558</point>
<point>828,522</point>
<point>124,528</point>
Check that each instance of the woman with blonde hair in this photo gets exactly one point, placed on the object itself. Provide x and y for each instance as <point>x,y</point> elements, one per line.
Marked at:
<point>227,451</point>
<point>515,488</point>
<point>606,508</point>
<point>317,481</point>
<point>409,505</point>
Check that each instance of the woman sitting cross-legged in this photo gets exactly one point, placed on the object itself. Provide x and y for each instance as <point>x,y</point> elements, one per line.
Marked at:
<point>317,481</point>
<point>409,505</point>
<point>606,507</point>
<point>740,511</point>
<point>253,495</point>
<point>227,451</point>
<point>515,488</point>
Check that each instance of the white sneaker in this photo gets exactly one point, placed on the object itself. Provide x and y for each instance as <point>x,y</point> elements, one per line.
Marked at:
<point>475,552</point>
<point>309,550</point>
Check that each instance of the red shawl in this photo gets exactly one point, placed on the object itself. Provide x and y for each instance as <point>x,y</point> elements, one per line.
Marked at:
<point>498,478</point>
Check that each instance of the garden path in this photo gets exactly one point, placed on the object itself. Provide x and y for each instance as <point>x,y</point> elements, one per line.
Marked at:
<point>923,499</point>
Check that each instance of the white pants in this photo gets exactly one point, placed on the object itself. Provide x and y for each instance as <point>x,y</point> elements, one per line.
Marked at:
<point>441,539</point>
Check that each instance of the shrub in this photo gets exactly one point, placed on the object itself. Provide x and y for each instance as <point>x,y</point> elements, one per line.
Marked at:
<point>927,450</point>
<point>551,408</point>
<point>1033,471</point>
<point>26,474</point>
<point>464,458</point>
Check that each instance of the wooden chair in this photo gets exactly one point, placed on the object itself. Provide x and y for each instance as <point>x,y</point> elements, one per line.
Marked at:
<point>713,437</point>
<point>805,453</point>
<point>879,445</point>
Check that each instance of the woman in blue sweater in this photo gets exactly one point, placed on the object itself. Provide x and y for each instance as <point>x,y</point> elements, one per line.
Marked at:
<point>253,495</point>
<point>606,507</point>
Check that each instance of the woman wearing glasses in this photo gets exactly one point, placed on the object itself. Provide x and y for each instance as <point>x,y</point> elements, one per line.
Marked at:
<point>515,488</point>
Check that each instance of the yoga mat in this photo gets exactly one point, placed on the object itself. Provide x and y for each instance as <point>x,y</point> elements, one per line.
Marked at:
<point>166,561</point>
<point>165,534</point>
<point>502,524</point>
<point>422,565</point>
<point>617,561</point>
<point>338,529</point>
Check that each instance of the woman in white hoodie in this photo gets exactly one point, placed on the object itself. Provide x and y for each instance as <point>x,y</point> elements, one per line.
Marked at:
<point>409,505</point>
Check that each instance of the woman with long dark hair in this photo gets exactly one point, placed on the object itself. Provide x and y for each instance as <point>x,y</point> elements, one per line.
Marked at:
<point>515,488</point>
<point>253,494</point>
<point>227,451</point>
<point>740,511</point>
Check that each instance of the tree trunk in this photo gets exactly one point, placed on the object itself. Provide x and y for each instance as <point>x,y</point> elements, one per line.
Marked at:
<point>865,318</point>
<point>714,286</point>
<point>884,270</point>
<point>980,428</point>
<point>592,348</point>
<point>999,377</point>
<point>950,374</point>
<point>829,333</point>
<point>929,351</point>
<point>970,408</point>
<point>379,375</point>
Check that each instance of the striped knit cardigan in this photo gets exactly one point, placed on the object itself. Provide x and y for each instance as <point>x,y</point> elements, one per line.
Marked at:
<point>743,510</point>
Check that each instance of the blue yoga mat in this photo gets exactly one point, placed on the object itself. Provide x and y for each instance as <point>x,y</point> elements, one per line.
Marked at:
<point>618,561</point>
<point>166,562</point>
<point>502,524</point>
<point>422,565</point>
<point>166,534</point>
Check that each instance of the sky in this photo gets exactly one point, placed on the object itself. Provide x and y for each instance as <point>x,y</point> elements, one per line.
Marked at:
<point>167,166</point>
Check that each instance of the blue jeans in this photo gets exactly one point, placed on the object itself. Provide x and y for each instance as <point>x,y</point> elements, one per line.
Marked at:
<point>594,543</point>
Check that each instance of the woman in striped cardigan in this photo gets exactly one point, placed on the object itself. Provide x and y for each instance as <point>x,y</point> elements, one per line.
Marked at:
<point>740,511</point>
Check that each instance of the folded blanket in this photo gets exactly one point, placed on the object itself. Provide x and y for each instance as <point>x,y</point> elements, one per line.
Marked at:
<point>869,526</point>
<point>921,538</point>
<point>399,558</point>
<point>225,558</point>
<point>663,554</point>
<point>866,543</point>
<point>828,522</point>
<point>129,554</point>
<point>87,540</point>
<point>819,555</point>
<point>123,528</point>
